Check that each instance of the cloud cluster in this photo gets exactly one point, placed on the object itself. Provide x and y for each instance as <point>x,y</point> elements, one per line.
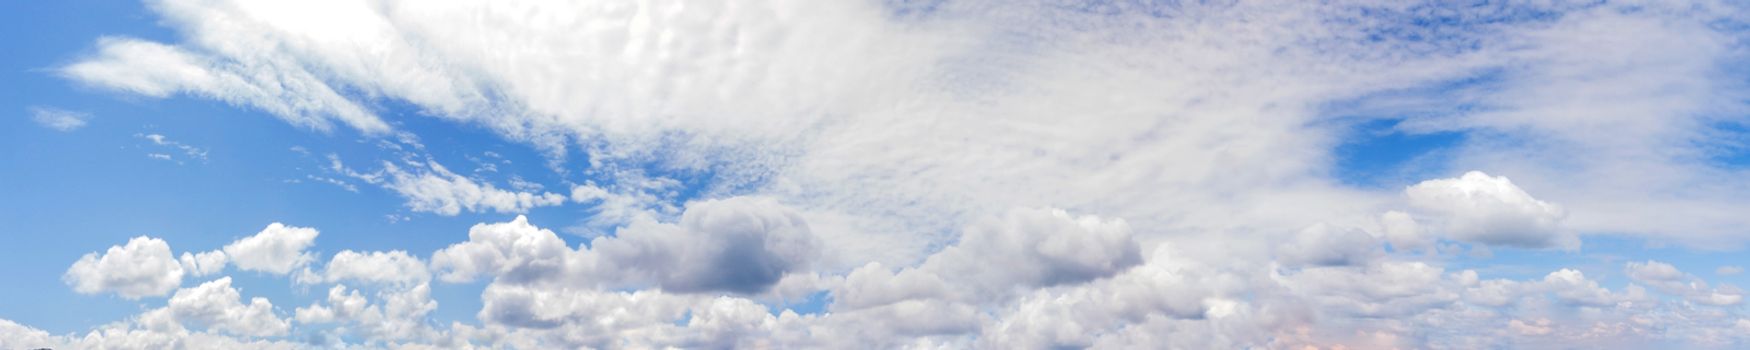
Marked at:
<point>1027,278</point>
<point>740,245</point>
<point>914,169</point>
<point>144,267</point>
<point>1487,209</point>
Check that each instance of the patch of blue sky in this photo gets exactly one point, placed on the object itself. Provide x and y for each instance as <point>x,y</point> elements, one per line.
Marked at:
<point>1378,145</point>
<point>1377,154</point>
<point>1603,258</point>
<point>814,304</point>
<point>1730,146</point>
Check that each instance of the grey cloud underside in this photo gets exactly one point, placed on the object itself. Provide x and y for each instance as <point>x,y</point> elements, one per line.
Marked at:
<point>907,165</point>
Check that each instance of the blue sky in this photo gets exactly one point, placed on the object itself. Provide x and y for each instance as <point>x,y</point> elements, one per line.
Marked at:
<point>1237,175</point>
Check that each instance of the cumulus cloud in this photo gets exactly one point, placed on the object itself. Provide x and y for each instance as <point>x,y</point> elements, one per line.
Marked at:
<point>218,306</point>
<point>742,245</point>
<point>1487,209</point>
<point>58,119</point>
<point>398,315</point>
<point>203,263</point>
<point>276,249</point>
<point>141,268</point>
<point>1076,281</point>
<point>515,251</point>
<point>393,267</point>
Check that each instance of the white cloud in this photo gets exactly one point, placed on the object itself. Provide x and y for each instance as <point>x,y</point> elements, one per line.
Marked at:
<point>141,268</point>
<point>58,119</point>
<point>276,249</point>
<point>218,306</point>
<point>204,263</point>
<point>514,251</point>
<point>430,187</point>
<point>1729,270</point>
<point>446,193</point>
<point>121,336</point>
<point>1667,279</point>
<point>1402,231</point>
<point>342,305</point>
<point>393,267</point>
<point>1487,209</point>
<point>158,70</point>
<point>398,315</point>
<point>742,245</point>
<point>187,150</point>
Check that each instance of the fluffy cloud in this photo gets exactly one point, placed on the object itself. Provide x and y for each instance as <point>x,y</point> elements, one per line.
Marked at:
<point>216,305</point>
<point>1487,209</point>
<point>393,268</point>
<point>1073,281</point>
<point>1037,247</point>
<point>203,263</point>
<point>399,314</point>
<point>514,251</point>
<point>141,268</point>
<point>742,245</point>
<point>276,249</point>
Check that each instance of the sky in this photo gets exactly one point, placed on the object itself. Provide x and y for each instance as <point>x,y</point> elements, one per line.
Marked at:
<point>193,174</point>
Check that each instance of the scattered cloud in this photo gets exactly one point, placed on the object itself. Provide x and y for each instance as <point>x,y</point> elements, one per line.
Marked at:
<point>708,280</point>
<point>277,249</point>
<point>59,119</point>
<point>191,152</point>
<point>738,245</point>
